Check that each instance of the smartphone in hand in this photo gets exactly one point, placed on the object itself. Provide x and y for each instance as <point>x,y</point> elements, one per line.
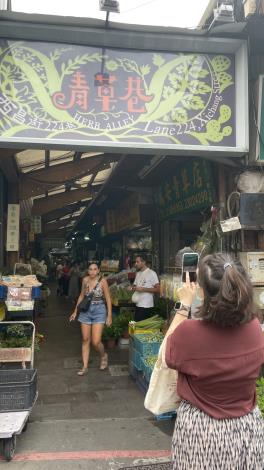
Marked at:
<point>190,264</point>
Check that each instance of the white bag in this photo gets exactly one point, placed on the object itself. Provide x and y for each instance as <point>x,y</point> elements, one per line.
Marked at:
<point>135,297</point>
<point>161,396</point>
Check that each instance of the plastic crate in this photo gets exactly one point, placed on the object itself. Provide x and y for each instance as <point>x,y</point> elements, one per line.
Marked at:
<point>147,371</point>
<point>141,383</point>
<point>133,370</point>
<point>18,389</point>
<point>136,359</point>
<point>165,416</point>
<point>145,348</point>
<point>36,293</point>
<point>3,292</point>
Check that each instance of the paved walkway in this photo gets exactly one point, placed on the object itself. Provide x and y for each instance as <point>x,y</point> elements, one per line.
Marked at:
<point>94,422</point>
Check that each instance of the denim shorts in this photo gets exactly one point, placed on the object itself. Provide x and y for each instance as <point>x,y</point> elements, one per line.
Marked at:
<point>95,314</point>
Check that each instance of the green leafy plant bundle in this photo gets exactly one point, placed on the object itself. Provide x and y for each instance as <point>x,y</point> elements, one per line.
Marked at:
<point>260,394</point>
<point>114,331</point>
<point>19,336</point>
<point>123,320</point>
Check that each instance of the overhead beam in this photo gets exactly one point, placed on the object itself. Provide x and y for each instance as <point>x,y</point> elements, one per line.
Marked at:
<point>8,165</point>
<point>77,156</point>
<point>53,227</point>
<point>62,211</point>
<point>100,192</point>
<point>51,203</point>
<point>57,234</point>
<point>37,182</point>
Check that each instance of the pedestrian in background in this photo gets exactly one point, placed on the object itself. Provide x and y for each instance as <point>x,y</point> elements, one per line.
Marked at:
<point>218,425</point>
<point>74,275</point>
<point>59,269</point>
<point>66,278</point>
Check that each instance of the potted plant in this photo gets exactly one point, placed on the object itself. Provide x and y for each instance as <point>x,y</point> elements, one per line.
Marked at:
<point>123,320</point>
<point>16,341</point>
<point>111,334</point>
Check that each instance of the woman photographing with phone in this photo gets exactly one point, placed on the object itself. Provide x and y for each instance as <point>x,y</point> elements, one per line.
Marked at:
<point>218,425</point>
<point>95,317</point>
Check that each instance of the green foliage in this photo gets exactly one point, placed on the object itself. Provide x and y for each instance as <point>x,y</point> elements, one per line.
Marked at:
<point>221,63</point>
<point>145,69</point>
<point>120,294</point>
<point>111,65</point>
<point>123,320</point>
<point>198,87</point>
<point>19,336</point>
<point>193,102</point>
<point>209,241</point>
<point>158,60</point>
<point>260,394</point>
<point>73,65</point>
<point>160,307</point>
<point>114,331</point>
<point>214,131</point>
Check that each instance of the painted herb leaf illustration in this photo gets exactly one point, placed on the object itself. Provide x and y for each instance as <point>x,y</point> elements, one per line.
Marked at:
<point>139,97</point>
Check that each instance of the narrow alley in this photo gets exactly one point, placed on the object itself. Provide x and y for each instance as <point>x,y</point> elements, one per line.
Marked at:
<point>93,422</point>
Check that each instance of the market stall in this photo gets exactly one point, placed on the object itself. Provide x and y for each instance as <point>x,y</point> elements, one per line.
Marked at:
<point>20,293</point>
<point>145,340</point>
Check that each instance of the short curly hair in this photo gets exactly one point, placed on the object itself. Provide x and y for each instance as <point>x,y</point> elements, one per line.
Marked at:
<point>228,292</point>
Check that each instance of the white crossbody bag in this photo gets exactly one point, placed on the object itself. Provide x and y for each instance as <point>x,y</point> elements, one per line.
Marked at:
<point>162,396</point>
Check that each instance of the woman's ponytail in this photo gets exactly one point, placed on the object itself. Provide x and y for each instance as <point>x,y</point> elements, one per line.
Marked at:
<point>227,289</point>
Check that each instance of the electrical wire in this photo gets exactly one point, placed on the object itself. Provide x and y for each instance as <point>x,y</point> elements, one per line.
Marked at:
<point>140,6</point>
<point>235,204</point>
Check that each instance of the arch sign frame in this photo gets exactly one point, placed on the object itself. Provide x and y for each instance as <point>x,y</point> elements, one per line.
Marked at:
<point>78,96</point>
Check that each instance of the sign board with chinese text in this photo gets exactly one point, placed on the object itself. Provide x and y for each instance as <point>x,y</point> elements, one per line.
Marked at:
<point>36,224</point>
<point>58,94</point>
<point>12,237</point>
<point>125,216</point>
<point>190,188</point>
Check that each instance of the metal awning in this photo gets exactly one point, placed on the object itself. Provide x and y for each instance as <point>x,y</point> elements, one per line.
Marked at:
<point>58,185</point>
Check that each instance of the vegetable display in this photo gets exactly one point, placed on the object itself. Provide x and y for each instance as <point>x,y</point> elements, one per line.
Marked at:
<point>152,323</point>
<point>260,394</point>
<point>120,294</point>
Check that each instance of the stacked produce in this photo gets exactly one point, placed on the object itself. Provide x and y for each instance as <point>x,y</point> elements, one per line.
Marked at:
<point>145,344</point>
<point>151,361</point>
<point>122,276</point>
<point>148,366</point>
<point>120,293</point>
<point>20,281</point>
<point>151,324</point>
<point>169,285</point>
<point>145,341</point>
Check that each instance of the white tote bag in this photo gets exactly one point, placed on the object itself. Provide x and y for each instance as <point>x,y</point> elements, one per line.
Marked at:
<point>162,396</point>
<point>135,297</point>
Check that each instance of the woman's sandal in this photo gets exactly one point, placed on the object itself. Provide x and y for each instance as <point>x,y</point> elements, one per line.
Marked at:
<point>82,372</point>
<point>104,362</point>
